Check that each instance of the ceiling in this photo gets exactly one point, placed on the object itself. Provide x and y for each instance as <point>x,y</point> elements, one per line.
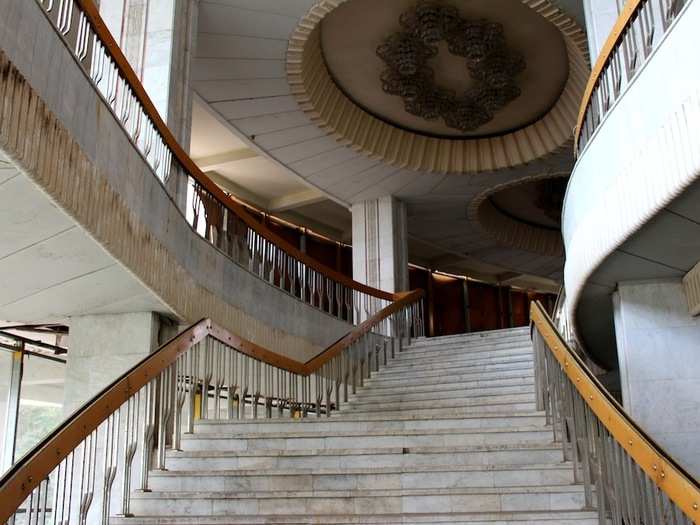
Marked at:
<point>354,65</point>
<point>230,162</point>
<point>266,149</point>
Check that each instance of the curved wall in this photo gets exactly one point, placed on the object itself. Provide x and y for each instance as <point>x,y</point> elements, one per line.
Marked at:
<point>73,148</point>
<point>643,156</point>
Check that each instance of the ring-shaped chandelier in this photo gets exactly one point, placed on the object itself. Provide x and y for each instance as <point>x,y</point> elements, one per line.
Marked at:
<point>492,65</point>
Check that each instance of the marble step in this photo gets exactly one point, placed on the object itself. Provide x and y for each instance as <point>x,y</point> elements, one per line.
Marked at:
<point>474,336</point>
<point>406,422</point>
<point>457,388</point>
<point>473,518</point>
<point>508,454</point>
<point>396,368</point>
<point>350,440</point>
<point>468,410</point>
<point>455,373</point>
<point>477,396</point>
<point>377,383</point>
<point>483,401</point>
<point>405,358</point>
<point>359,502</point>
<point>461,351</point>
<point>451,476</point>
<point>476,346</point>
<point>469,343</point>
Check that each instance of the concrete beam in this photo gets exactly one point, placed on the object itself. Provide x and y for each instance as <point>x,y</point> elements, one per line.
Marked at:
<point>238,190</point>
<point>295,200</point>
<point>214,162</point>
<point>506,277</point>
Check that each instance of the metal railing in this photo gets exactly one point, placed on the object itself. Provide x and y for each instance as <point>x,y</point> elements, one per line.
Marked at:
<point>87,468</point>
<point>212,213</point>
<point>639,29</point>
<point>626,475</point>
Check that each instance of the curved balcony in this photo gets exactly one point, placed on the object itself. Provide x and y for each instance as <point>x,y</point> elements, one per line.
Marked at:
<point>87,153</point>
<point>631,202</point>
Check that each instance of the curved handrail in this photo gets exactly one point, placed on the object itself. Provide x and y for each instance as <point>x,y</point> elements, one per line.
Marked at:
<point>629,44</point>
<point>37,465</point>
<point>660,468</point>
<point>89,16</point>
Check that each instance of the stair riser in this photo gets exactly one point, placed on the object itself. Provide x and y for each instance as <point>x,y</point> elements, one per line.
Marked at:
<point>377,388</point>
<point>398,368</point>
<point>473,338</point>
<point>488,457</point>
<point>511,342</point>
<point>364,399</point>
<point>464,352</point>
<point>452,373</point>
<point>339,519</point>
<point>315,425</point>
<point>492,345</point>
<point>474,401</point>
<point>418,480</point>
<point>363,505</point>
<point>447,411</point>
<point>406,359</point>
<point>321,443</point>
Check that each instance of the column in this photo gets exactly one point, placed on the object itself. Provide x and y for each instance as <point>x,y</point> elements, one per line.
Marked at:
<point>379,244</point>
<point>103,347</point>
<point>658,346</point>
<point>600,19</point>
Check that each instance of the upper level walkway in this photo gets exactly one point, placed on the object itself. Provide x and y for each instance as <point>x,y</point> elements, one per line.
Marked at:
<point>632,209</point>
<point>86,169</point>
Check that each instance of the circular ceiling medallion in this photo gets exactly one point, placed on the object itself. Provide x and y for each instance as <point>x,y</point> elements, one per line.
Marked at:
<point>490,63</point>
<point>344,65</point>
<point>524,214</point>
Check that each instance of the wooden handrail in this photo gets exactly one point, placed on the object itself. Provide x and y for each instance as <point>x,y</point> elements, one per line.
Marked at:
<point>122,64</point>
<point>34,467</point>
<point>623,21</point>
<point>336,348</point>
<point>659,466</point>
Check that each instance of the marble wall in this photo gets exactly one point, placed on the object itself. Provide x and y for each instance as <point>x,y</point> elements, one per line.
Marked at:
<point>659,352</point>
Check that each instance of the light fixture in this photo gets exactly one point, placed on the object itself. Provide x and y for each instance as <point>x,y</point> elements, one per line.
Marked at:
<point>492,65</point>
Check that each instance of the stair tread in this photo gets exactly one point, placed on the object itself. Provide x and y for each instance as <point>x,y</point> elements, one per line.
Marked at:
<point>363,493</point>
<point>369,433</point>
<point>365,451</point>
<point>372,419</point>
<point>412,469</point>
<point>481,517</point>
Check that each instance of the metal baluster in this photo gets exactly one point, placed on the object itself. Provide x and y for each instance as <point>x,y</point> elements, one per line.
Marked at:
<point>232,385</point>
<point>338,379</point>
<point>148,433</point>
<point>111,445</point>
<point>180,396</point>
<point>131,433</point>
<point>87,481</point>
<point>245,386</point>
<point>206,377</point>
<point>329,377</point>
<point>256,365</point>
<point>217,359</point>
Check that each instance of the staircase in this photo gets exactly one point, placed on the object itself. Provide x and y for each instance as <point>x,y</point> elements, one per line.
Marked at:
<point>446,433</point>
